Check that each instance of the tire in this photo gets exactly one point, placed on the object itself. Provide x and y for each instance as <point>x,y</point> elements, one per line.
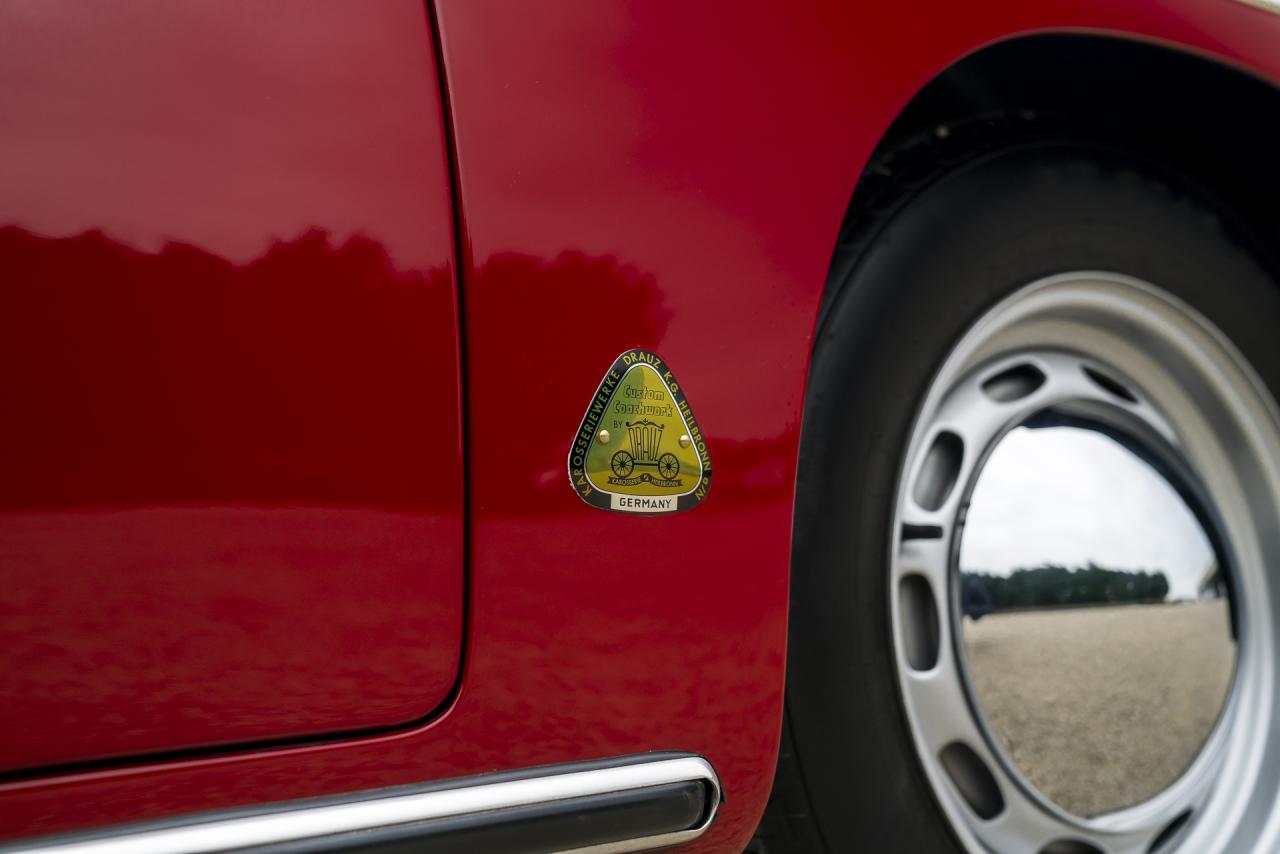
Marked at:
<point>937,251</point>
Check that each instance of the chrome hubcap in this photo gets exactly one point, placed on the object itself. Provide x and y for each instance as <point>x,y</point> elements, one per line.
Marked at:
<point>1081,598</point>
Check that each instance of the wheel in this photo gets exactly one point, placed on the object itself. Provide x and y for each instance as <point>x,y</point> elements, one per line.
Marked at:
<point>622,464</point>
<point>1033,319</point>
<point>668,466</point>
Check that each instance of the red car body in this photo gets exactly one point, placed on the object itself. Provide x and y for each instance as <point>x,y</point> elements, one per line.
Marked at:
<point>300,305</point>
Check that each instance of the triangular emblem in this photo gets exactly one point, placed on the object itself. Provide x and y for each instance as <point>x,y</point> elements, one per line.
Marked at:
<point>640,449</point>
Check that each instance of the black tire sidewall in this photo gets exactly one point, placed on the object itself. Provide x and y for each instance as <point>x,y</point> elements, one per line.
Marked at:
<point>921,278</point>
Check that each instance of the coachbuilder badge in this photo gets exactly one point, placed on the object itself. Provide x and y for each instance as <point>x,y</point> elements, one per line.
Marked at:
<point>639,449</point>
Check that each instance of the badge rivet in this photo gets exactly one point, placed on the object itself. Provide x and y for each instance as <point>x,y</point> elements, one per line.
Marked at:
<point>685,441</point>
<point>603,436</point>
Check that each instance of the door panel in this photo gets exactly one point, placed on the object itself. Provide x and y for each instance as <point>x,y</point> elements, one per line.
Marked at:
<point>230,474</point>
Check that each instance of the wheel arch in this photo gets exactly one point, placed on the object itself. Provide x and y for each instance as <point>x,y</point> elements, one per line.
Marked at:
<point>1188,111</point>
<point>1185,111</point>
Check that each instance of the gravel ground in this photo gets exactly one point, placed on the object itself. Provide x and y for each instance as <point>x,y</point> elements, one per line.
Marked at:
<point>1103,707</point>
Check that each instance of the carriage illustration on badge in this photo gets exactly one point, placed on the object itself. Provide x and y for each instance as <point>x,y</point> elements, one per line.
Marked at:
<point>645,438</point>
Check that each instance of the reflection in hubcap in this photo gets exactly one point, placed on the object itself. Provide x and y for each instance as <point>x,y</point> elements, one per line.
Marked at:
<point>1098,637</point>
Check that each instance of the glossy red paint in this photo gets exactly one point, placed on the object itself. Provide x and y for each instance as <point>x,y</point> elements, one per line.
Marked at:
<point>669,176</point>
<point>231,500</point>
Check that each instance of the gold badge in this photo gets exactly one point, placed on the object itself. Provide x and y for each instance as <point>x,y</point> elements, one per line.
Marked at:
<point>639,449</point>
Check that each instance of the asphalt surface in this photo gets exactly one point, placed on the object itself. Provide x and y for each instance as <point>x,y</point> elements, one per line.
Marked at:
<point>1102,708</point>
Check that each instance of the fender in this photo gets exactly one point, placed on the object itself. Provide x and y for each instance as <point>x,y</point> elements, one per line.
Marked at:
<point>669,177</point>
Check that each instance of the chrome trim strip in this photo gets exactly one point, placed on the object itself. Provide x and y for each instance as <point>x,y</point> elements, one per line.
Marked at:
<point>306,823</point>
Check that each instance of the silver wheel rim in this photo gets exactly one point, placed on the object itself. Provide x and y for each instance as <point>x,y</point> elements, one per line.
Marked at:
<point>1199,394</point>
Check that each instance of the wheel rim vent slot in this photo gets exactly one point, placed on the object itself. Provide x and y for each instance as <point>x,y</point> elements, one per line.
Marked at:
<point>1014,383</point>
<point>1070,846</point>
<point>974,781</point>
<point>1109,385</point>
<point>919,622</point>
<point>1170,831</point>
<point>939,472</point>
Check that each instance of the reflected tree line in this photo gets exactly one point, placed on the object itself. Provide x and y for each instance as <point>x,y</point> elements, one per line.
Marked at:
<point>1050,585</point>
